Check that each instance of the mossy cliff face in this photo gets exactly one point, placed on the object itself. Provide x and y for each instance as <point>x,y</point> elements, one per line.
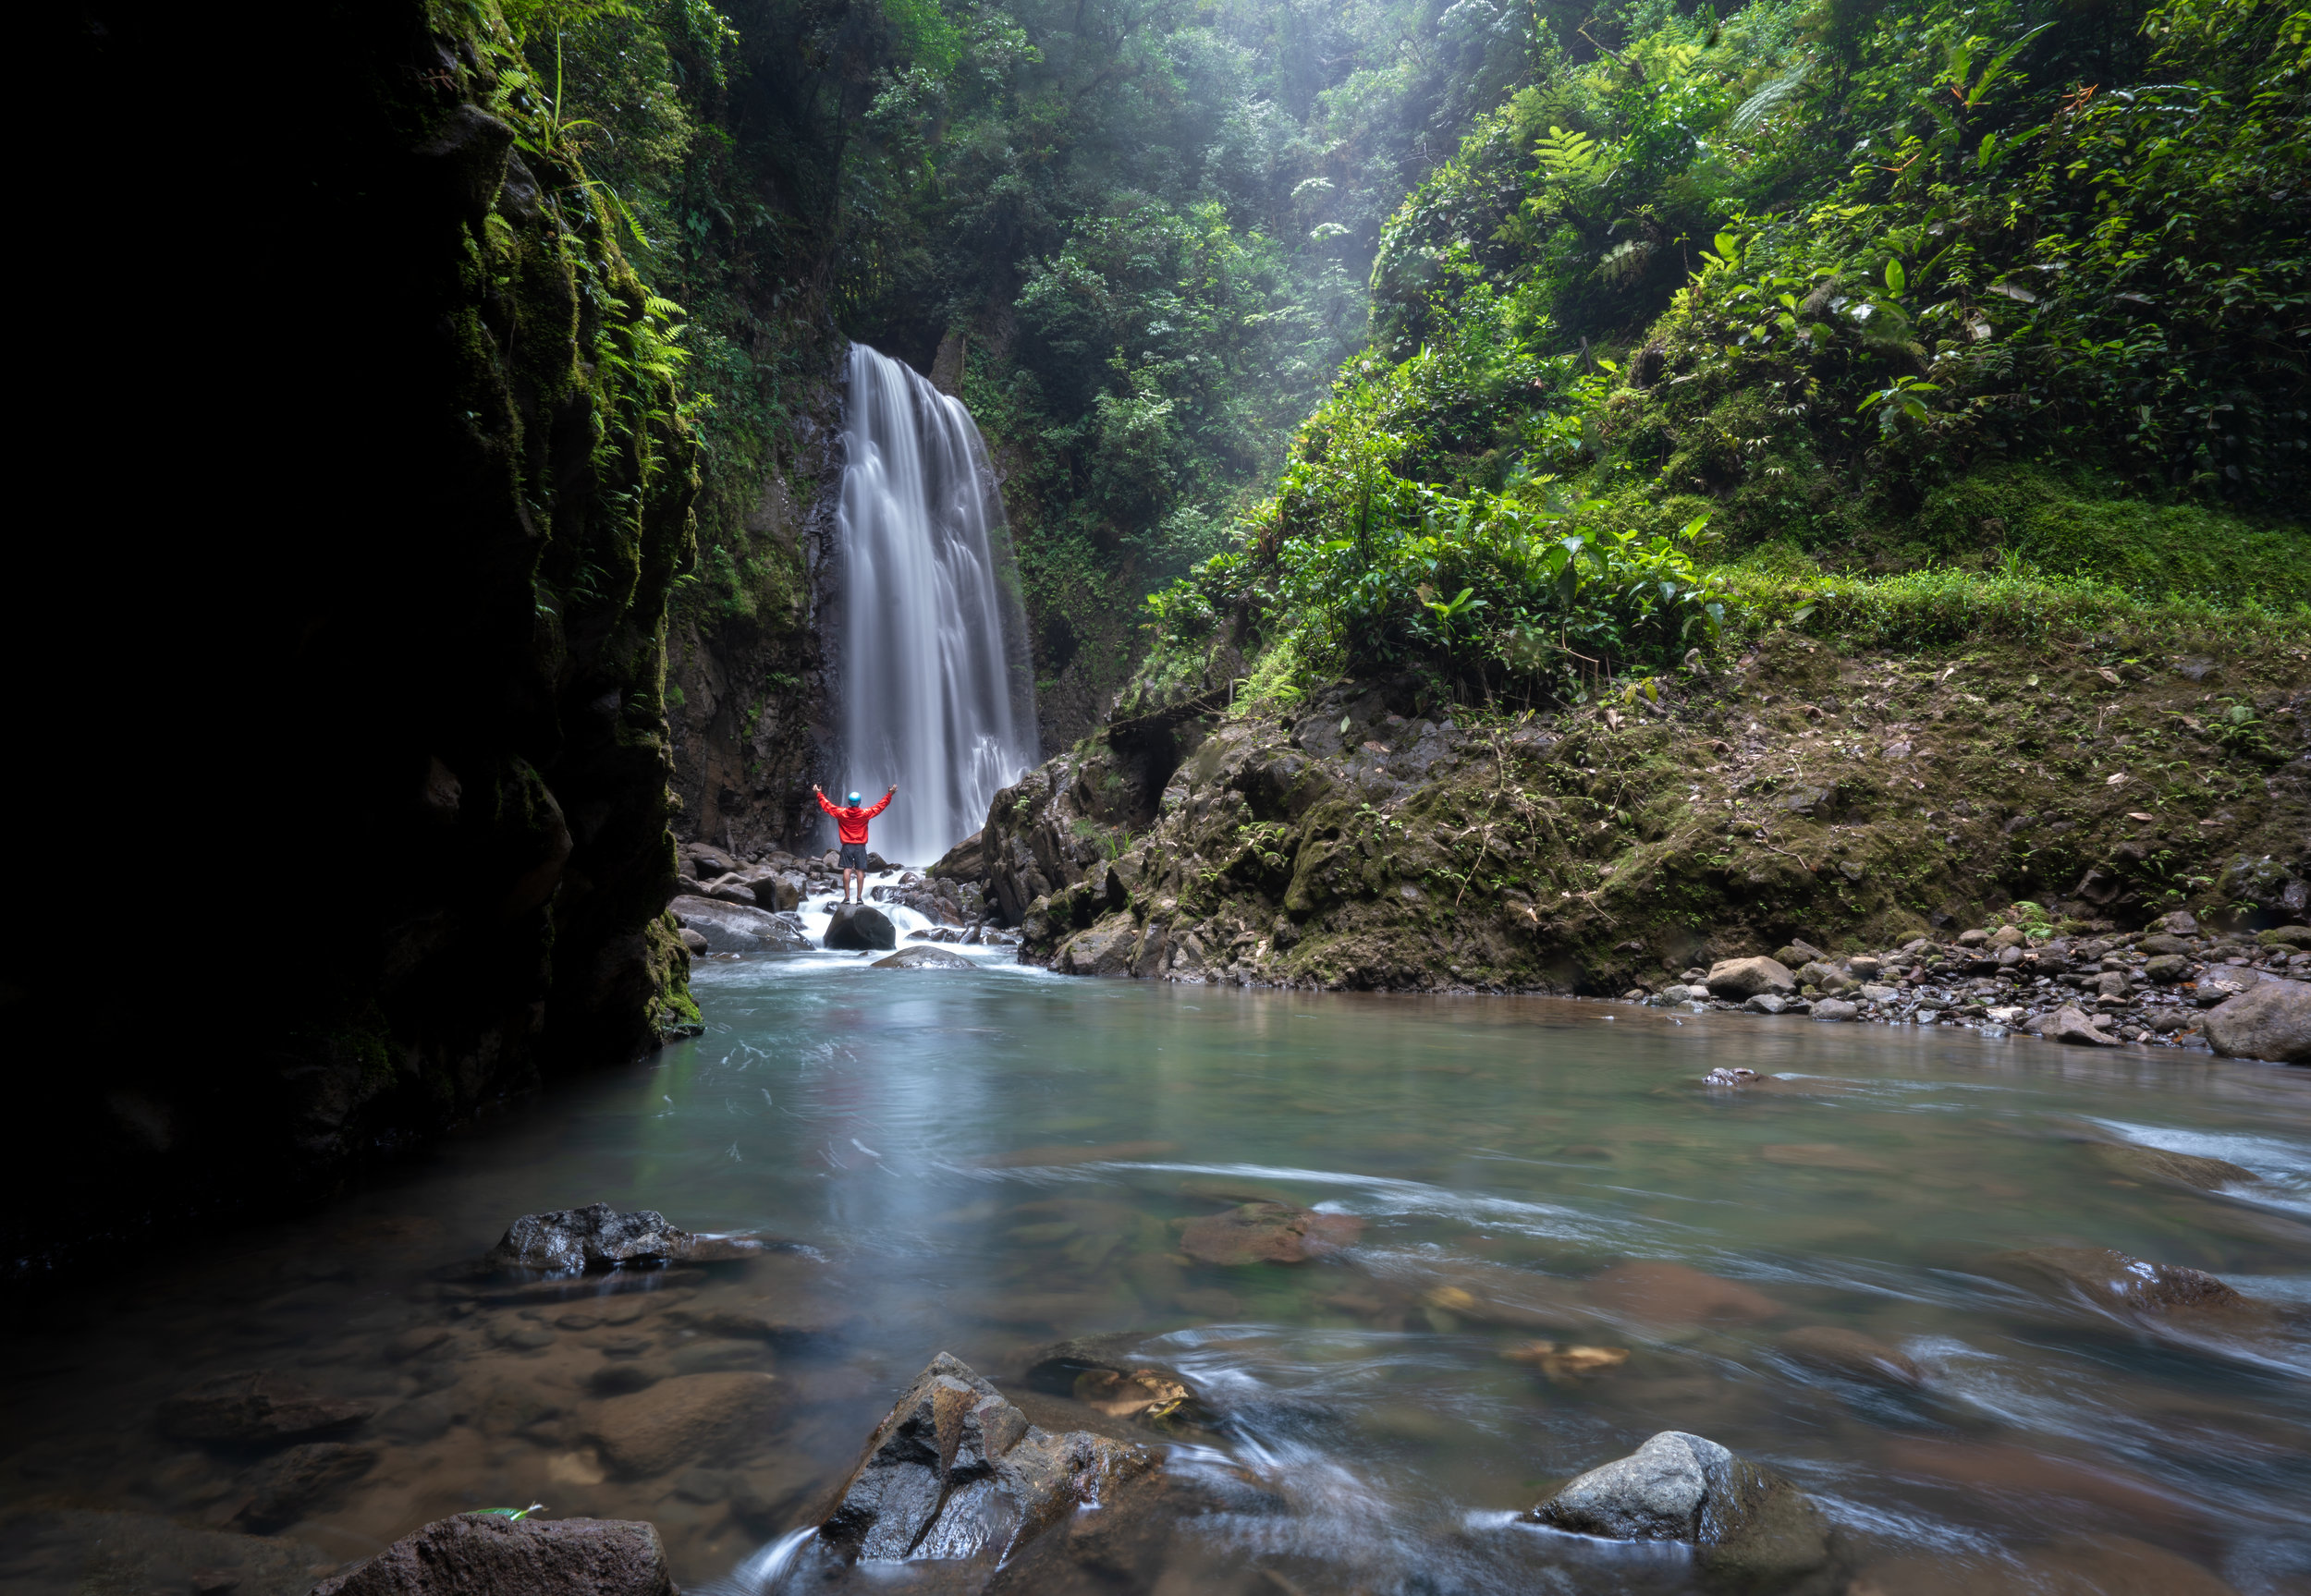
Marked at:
<point>755,650</point>
<point>422,779</point>
<point>1367,840</point>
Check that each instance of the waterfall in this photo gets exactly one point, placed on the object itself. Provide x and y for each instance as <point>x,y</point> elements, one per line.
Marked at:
<point>937,693</point>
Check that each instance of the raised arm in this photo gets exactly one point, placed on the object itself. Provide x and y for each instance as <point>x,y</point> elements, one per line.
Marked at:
<point>830,808</point>
<point>879,807</point>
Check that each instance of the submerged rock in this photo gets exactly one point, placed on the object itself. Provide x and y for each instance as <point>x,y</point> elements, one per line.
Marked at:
<point>860,926</point>
<point>122,1554</point>
<point>284,1489</point>
<point>925,958</point>
<point>1101,1372</point>
<point>1750,1528</point>
<point>2269,1020</point>
<point>489,1554</point>
<point>1268,1232</point>
<point>675,1421</point>
<point>2175,1168</point>
<point>956,1472</point>
<point>2118,1284</point>
<point>1851,1353</point>
<point>254,1405</point>
<point>1654,1291</point>
<point>598,1236</point>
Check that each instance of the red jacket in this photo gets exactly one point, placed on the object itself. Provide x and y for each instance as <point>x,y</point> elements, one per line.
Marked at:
<point>849,822</point>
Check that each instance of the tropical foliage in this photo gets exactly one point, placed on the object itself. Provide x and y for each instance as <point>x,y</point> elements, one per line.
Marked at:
<point>1815,277</point>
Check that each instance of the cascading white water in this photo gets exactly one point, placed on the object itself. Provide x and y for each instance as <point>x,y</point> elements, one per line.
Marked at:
<point>937,693</point>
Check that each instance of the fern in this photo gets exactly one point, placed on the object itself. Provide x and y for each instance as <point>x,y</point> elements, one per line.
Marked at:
<point>1769,98</point>
<point>1573,160</point>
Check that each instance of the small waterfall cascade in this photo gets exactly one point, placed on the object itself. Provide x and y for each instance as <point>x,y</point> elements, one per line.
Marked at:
<point>938,691</point>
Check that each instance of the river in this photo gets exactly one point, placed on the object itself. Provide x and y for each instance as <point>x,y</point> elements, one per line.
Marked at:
<point>989,1159</point>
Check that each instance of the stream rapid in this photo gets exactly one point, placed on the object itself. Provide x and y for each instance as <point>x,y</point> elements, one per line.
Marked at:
<point>988,1161</point>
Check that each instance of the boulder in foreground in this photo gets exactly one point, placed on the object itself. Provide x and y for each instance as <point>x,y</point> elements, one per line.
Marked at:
<point>487,1554</point>
<point>956,1472</point>
<point>1752,1529</point>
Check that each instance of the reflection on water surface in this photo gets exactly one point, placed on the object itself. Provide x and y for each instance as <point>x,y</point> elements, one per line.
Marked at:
<point>1562,1243</point>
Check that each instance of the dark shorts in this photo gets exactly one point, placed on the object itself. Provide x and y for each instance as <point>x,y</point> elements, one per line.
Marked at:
<point>854,856</point>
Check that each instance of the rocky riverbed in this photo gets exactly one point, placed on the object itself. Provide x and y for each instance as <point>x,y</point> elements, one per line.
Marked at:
<point>727,905</point>
<point>2177,985</point>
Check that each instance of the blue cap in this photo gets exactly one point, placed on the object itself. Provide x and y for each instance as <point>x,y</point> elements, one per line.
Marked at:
<point>854,800</point>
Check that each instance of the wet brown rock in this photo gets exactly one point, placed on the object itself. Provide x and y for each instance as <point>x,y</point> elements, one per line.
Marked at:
<point>488,1554</point>
<point>1652,1292</point>
<point>1853,1354</point>
<point>1268,1232</point>
<point>255,1406</point>
<point>955,1473</point>
<point>2269,1020</point>
<point>2118,1284</point>
<point>674,1421</point>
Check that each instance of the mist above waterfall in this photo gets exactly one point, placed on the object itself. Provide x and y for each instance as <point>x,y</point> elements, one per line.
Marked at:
<point>936,690</point>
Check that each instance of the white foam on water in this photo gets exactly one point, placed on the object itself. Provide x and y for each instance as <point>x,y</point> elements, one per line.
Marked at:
<point>2284,1166</point>
<point>766,1571</point>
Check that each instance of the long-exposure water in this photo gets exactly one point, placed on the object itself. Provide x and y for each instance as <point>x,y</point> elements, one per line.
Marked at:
<point>987,1161</point>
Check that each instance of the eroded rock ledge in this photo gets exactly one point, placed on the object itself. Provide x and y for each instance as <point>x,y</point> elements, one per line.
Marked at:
<point>1786,798</point>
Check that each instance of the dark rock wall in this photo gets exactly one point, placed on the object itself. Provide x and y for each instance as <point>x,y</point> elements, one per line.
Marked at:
<point>753,703</point>
<point>388,548</point>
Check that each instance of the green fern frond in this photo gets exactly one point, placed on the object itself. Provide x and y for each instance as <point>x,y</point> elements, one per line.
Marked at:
<point>1769,98</point>
<point>1571,158</point>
